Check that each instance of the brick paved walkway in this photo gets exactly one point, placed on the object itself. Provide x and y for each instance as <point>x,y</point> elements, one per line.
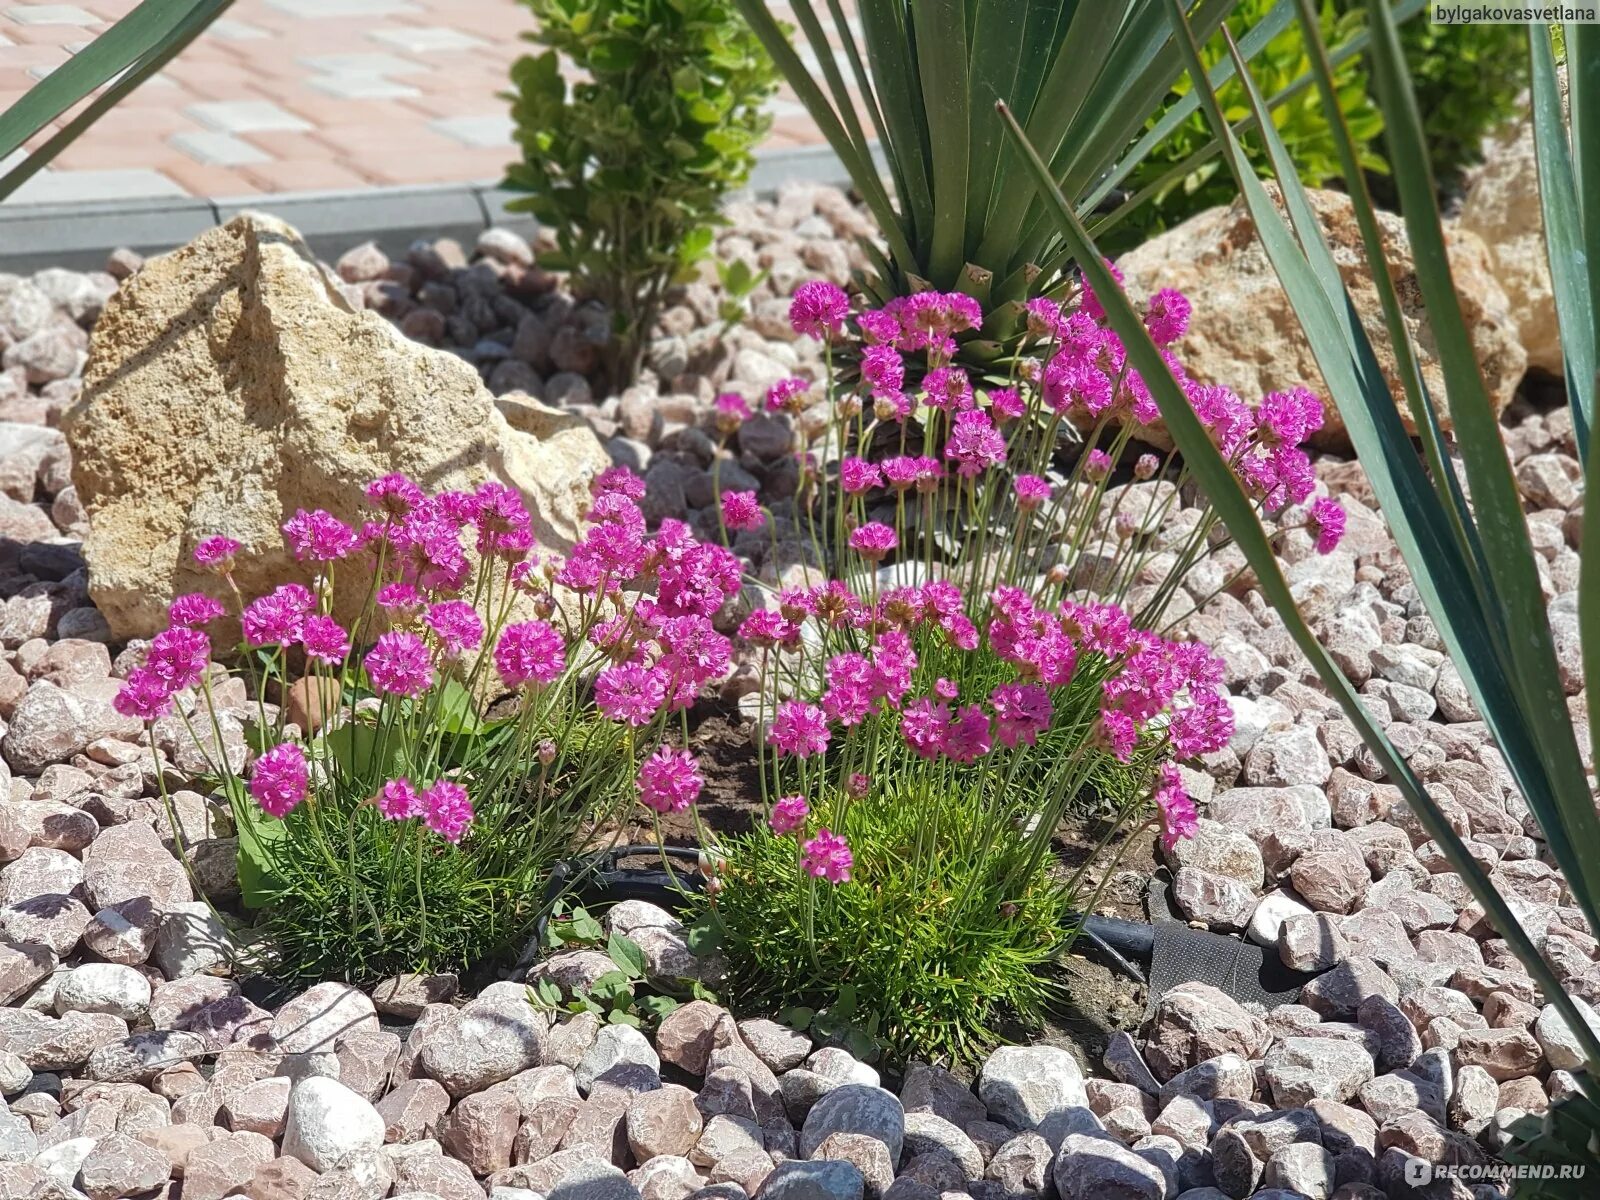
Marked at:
<point>296,95</point>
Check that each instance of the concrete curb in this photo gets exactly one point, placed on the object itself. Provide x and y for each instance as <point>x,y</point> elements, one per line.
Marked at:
<point>79,236</point>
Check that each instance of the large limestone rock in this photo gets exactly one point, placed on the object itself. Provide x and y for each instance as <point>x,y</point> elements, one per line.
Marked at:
<point>1502,207</point>
<point>1245,336</point>
<point>230,383</point>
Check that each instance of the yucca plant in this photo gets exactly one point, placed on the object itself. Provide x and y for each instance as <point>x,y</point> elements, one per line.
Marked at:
<point>118,61</point>
<point>1082,77</point>
<point>1472,564</point>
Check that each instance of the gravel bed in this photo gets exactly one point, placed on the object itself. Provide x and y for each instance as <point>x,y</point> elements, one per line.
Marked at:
<point>132,1065</point>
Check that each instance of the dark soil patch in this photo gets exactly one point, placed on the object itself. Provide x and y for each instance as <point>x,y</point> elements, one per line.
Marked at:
<point>1130,857</point>
<point>731,801</point>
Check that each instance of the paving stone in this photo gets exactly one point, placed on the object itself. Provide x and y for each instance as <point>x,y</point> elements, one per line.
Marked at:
<point>246,116</point>
<point>217,149</point>
<point>50,14</point>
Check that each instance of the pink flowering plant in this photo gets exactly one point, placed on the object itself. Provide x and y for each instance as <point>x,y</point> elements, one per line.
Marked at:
<point>440,713</point>
<point>996,641</point>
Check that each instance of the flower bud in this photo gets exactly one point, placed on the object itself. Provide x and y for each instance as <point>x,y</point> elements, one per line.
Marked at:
<point>1146,467</point>
<point>547,752</point>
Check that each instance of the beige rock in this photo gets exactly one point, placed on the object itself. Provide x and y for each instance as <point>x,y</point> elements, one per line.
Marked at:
<point>1502,207</point>
<point>1244,334</point>
<point>230,383</point>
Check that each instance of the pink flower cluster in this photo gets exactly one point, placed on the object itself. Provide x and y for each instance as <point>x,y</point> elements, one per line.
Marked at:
<point>177,659</point>
<point>661,644</point>
<point>664,648</point>
<point>827,856</point>
<point>1147,680</point>
<point>443,805</point>
<point>1174,808</point>
<point>280,780</point>
<point>669,780</point>
<point>1082,373</point>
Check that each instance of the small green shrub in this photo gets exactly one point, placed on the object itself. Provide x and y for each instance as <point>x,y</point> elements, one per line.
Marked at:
<point>948,930</point>
<point>396,822</point>
<point>990,652</point>
<point>1467,80</point>
<point>351,893</point>
<point>1300,123</point>
<point>627,164</point>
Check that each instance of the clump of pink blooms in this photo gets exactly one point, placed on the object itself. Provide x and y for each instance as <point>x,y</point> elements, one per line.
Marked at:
<point>946,440</point>
<point>642,633</point>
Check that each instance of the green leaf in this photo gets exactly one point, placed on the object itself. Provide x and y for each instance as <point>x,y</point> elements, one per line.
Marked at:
<point>352,749</point>
<point>657,1005</point>
<point>584,927</point>
<point>625,952</point>
<point>458,712</point>
<point>861,1044</point>
<point>700,991</point>
<point>704,936</point>
<point>696,244</point>
<point>1570,269</point>
<point>261,839</point>
<point>706,111</point>
<point>828,1025</point>
<point>844,1005</point>
<point>621,1016</point>
<point>798,1018</point>
<point>260,738</point>
<point>615,54</point>
<point>942,61</point>
<point>735,276</point>
<point>610,986</point>
<point>549,993</point>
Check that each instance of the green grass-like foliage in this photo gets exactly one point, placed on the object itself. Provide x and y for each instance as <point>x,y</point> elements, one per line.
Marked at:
<point>628,162</point>
<point>916,84</point>
<point>347,894</point>
<point>950,933</point>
